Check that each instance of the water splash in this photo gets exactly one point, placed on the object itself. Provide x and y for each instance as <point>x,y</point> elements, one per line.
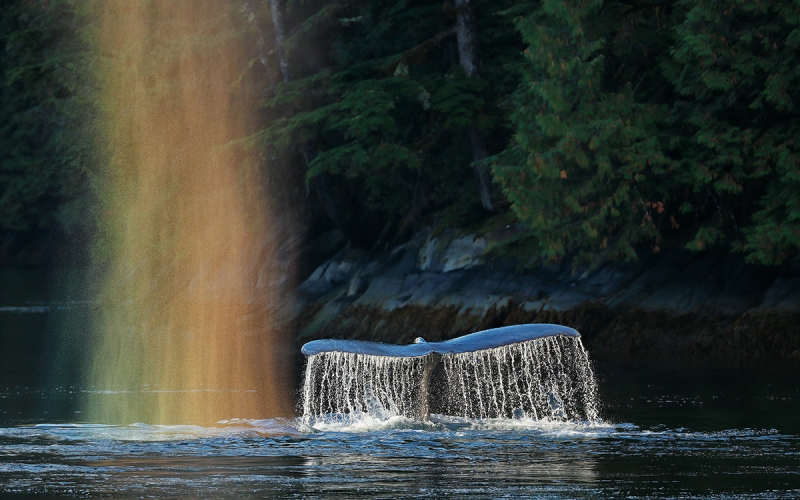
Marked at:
<point>547,379</point>
<point>185,329</point>
<point>340,383</point>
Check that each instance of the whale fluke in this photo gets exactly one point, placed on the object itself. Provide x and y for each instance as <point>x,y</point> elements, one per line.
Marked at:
<point>536,370</point>
<point>486,339</point>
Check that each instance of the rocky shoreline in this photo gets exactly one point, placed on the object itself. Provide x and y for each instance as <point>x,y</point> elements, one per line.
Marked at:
<point>443,286</point>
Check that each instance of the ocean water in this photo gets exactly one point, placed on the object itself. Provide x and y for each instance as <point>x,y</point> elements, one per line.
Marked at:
<point>666,430</point>
<point>394,457</point>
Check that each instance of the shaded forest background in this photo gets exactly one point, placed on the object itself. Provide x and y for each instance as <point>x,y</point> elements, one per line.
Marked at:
<point>599,128</point>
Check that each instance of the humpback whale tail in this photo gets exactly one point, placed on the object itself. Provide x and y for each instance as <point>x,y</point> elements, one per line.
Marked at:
<point>486,339</point>
<point>536,370</point>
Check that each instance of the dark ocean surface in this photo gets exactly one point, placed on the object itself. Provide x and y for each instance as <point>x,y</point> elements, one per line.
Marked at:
<point>668,430</point>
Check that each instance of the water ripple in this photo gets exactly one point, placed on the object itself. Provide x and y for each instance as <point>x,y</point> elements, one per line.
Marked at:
<point>448,456</point>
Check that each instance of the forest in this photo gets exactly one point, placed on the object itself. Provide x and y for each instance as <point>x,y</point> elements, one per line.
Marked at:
<point>601,129</point>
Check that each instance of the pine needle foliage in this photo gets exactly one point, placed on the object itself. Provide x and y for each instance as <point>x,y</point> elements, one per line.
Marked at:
<point>388,108</point>
<point>635,119</point>
<point>39,170</point>
<point>613,124</point>
<point>586,169</point>
<point>736,71</point>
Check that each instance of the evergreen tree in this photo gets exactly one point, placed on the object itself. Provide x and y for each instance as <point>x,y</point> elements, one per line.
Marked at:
<point>735,66</point>
<point>388,108</point>
<point>586,169</point>
<point>33,167</point>
<point>622,121</point>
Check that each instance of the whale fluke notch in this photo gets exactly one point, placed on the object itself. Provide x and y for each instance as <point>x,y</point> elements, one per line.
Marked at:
<point>486,339</point>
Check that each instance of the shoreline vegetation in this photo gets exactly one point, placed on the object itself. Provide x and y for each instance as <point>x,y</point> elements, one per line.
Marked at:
<point>628,168</point>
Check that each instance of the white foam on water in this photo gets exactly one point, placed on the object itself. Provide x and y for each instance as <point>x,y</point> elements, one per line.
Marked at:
<point>362,422</point>
<point>549,427</point>
<point>366,423</point>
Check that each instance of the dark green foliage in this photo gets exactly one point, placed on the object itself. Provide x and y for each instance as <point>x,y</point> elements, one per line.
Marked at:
<point>586,168</point>
<point>635,119</point>
<point>613,124</point>
<point>29,181</point>
<point>736,69</point>
<point>389,109</point>
<point>40,167</point>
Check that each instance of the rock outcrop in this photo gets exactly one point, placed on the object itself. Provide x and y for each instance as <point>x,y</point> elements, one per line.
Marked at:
<point>446,285</point>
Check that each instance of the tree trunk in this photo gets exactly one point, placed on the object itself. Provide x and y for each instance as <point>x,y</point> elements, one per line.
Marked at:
<point>307,150</point>
<point>468,56</point>
<point>482,177</point>
<point>465,35</point>
<point>276,11</point>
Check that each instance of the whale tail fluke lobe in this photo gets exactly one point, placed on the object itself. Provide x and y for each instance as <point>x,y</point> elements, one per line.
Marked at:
<point>486,339</point>
<point>537,371</point>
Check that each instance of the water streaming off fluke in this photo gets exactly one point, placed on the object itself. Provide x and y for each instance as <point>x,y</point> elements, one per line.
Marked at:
<point>545,379</point>
<point>547,376</point>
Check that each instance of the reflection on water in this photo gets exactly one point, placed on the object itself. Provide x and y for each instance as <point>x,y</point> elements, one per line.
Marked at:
<point>280,457</point>
<point>395,457</point>
<point>671,431</point>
